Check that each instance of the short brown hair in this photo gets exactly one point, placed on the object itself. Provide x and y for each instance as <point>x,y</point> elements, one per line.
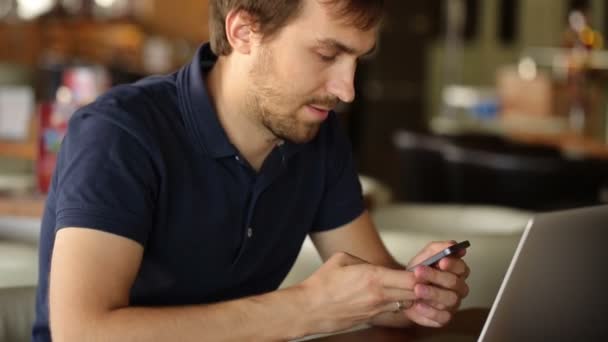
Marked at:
<point>272,15</point>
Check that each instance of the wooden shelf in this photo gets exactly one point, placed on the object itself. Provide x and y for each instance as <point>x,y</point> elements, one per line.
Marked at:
<point>29,206</point>
<point>27,149</point>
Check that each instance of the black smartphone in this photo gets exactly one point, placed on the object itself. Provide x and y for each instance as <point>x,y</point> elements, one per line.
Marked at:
<point>448,251</point>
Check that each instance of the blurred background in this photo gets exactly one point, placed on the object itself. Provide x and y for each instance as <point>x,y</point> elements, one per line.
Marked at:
<point>466,101</point>
<point>471,117</point>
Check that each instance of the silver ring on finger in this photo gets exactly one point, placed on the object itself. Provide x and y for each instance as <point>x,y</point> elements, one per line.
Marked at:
<point>401,305</point>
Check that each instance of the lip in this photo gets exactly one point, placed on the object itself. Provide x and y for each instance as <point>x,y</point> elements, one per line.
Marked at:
<point>318,113</point>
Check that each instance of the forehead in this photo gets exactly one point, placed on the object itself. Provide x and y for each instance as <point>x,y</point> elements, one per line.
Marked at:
<point>321,21</point>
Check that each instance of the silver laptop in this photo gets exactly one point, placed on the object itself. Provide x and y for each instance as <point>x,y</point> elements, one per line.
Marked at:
<point>556,288</point>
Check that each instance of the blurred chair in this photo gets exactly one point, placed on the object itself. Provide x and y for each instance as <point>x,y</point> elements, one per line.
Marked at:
<point>422,167</point>
<point>483,169</point>
<point>495,172</point>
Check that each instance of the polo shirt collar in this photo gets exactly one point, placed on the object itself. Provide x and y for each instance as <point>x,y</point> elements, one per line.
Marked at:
<point>200,114</point>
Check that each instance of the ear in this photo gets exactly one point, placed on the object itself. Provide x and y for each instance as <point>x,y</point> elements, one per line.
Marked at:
<point>241,30</point>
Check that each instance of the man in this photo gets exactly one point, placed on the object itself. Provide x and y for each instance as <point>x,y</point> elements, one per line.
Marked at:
<point>179,203</point>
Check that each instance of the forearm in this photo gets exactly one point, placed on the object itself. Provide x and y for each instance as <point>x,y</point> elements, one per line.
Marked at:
<point>269,317</point>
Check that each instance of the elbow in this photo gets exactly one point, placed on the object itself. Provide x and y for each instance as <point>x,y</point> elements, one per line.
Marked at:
<point>73,327</point>
<point>65,330</point>
<point>65,335</point>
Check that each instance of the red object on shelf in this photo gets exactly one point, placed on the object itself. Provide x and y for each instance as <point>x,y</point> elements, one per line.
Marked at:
<point>80,85</point>
<point>54,119</point>
<point>46,159</point>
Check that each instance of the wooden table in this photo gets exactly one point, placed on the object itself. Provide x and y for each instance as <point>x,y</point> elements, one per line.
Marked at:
<point>466,326</point>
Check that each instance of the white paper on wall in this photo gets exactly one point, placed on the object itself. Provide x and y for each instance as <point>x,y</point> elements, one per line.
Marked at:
<point>16,109</point>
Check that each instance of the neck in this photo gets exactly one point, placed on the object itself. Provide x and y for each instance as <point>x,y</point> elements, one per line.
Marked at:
<point>245,131</point>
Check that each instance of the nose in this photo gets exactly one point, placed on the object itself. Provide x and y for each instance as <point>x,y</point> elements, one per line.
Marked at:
<point>342,85</point>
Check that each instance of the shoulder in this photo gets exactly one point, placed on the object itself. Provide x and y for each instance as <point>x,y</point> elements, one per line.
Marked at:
<point>153,90</point>
<point>138,110</point>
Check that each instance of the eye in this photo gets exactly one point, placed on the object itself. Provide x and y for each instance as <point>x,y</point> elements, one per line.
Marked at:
<point>327,58</point>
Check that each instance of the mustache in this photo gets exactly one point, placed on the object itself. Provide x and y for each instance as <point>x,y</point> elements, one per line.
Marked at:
<point>327,101</point>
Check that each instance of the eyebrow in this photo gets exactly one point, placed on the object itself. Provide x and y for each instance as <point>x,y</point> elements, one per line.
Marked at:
<point>332,43</point>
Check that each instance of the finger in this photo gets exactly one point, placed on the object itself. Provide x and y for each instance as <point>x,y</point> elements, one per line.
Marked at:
<point>455,266</point>
<point>440,278</point>
<point>433,248</point>
<point>392,295</point>
<point>397,306</point>
<point>426,315</point>
<point>440,298</point>
<point>460,253</point>
<point>439,306</point>
<point>399,279</point>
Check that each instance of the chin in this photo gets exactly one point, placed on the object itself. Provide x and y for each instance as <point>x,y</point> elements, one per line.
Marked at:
<point>302,138</point>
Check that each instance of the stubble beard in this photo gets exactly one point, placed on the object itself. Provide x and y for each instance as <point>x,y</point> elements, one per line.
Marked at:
<point>268,105</point>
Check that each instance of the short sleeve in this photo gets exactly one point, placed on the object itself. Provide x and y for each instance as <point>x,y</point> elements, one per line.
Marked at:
<point>105,179</point>
<point>343,200</point>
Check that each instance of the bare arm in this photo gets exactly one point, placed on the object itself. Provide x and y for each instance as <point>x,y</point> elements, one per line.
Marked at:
<point>92,273</point>
<point>359,237</point>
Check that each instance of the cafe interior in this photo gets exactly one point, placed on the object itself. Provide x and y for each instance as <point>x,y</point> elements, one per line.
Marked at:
<point>470,118</point>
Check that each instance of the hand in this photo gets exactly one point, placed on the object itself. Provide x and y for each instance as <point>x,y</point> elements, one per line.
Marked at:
<point>347,291</point>
<point>439,290</point>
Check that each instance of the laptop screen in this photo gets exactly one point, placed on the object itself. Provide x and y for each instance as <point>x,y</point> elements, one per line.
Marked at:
<point>556,287</point>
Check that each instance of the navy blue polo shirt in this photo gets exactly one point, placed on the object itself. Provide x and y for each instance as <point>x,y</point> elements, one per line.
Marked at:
<point>151,162</point>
